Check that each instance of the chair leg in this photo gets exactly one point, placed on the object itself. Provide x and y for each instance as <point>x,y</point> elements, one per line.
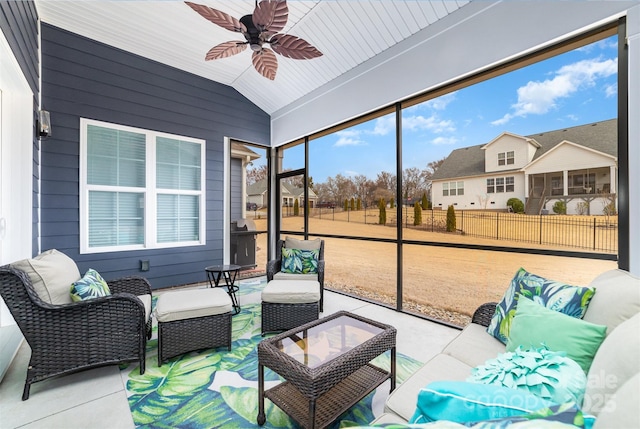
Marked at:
<point>25,392</point>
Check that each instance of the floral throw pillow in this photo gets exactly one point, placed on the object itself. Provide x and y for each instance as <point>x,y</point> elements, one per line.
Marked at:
<point>567,299</point>
<point>92,285</point>
<point>297,261</point>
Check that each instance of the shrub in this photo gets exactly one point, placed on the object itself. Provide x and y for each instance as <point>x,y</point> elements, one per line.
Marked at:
<point>417,214</point>
<point>517,206</point>
<point>346,204</point>
<point>425,203</point>
<point>610,209</point>
<point>296,208</point>
<point>359,204</point>
<point>560,207</point>
<point>582,208</point>
<point>353,204</point>
<point>392,203</point>
<point>382,217</point>
<point>451,219</point>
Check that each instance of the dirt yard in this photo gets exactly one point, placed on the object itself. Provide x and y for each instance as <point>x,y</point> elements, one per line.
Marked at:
<point>443,282</point>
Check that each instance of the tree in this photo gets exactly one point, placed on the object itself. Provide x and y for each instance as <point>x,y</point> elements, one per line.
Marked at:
<point>346,204</point>
<point>358,204</point>
<point>256,174</point>
<point>451,219</point>
<point>352,204</point>
<point>560,207</point>
<point>417,214</point>
<point>382,217</point>
<point>296,208</point>
<point>392,203</point>
<point>517,206</point>
<point>425,202</point>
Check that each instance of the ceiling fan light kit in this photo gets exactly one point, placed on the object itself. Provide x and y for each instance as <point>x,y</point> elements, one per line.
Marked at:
<point>259,29</point>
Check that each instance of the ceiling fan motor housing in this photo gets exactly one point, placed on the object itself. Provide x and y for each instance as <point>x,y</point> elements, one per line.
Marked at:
<point>253,34</point>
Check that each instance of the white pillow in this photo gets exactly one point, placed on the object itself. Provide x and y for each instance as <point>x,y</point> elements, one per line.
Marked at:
<point>52,273</point>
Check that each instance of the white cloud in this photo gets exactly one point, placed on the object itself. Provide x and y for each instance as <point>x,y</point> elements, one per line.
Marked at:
<point>537,98</point>
<point>349,138</point>
<point>432,123</point>
<point>444,140</point>
<point>611,90</point>
<point>384,125</point>
<point>439,103</point>
<point>350,173</point>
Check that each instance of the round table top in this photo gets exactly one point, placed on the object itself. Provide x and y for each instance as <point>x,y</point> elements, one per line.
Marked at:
<point>223,268</point>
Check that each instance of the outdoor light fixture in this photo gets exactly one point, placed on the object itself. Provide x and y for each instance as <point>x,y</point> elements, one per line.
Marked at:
<point>44,124</point>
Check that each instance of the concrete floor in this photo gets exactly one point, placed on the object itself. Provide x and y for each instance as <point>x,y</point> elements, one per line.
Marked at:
<point>97,398</point>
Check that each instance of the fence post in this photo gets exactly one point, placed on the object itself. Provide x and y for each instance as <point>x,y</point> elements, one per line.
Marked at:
<point>594,233</point>
<point>540,228</point>
<point>431,219</point>
<point>497,225</point>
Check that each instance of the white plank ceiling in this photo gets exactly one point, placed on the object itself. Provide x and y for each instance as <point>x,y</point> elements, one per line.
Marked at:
<point>347,32</point>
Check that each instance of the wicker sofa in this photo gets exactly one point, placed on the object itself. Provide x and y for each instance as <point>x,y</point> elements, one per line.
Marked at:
<point>613,376</point>
<point>66,336</point>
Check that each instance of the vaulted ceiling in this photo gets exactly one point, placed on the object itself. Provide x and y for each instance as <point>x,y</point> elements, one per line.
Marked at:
<point>349,33</point>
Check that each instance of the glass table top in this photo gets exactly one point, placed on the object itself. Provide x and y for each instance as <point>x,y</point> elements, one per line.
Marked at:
<point>326,341</point>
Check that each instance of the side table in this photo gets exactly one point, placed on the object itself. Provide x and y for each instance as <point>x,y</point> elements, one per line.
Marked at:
<point>229,273</point>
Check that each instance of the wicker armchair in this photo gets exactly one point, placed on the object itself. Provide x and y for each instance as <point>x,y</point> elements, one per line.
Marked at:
<point>73,337</point>
<point>484,313</point>
<point>275,266</point>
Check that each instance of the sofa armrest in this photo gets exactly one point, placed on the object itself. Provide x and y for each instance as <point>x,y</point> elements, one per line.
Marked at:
<point>134,285</point>
<point>273,267</point>
<point>484,313</point>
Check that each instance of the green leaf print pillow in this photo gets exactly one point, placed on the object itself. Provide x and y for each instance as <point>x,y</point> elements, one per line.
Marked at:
<point>567,299</point>
<point>297,261</point>
<point>92,285</point>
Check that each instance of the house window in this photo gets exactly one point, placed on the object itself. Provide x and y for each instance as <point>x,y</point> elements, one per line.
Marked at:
<point>140,189</point>
<point>460,188</point>
<point>445,189</point>
<point>491,186</point>
<point>506,158</point>
<point>452,188</point>
<point>509,184</point>
<point>499,184</point>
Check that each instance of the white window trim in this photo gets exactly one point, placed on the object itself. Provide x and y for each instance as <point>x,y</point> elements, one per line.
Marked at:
<point>150,191</point>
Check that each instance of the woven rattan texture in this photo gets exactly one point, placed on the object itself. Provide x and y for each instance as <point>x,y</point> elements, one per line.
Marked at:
<point>484,313</point>
<point>330,379</point>
<point>78,336</point>
<point>275,265</point>
<point>182,336</point>
<point>281,317</point>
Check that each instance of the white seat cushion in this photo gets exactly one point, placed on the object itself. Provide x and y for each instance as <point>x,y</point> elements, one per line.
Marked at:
<point>291,292</point>
<point>146,301</point>
<point>290,276</point>
<point>294,243</point>
<point>187,304</point>
<point>474,346</point>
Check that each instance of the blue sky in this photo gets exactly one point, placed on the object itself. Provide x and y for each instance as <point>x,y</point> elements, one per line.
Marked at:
<point>571,89</point>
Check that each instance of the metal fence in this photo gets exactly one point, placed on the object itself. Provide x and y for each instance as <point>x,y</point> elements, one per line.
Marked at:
<point>597,233</point>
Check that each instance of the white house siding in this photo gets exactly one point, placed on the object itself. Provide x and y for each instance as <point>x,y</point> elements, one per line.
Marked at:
<point>507,143</point>
<point>568,156</point>
<point>475,193</point>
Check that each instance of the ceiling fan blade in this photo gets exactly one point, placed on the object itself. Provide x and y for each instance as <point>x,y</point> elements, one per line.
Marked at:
<point>218,17</point>
<point>266,63</point>
<point>293,47</point>
<point>271,15</point>
<point>226,49</point>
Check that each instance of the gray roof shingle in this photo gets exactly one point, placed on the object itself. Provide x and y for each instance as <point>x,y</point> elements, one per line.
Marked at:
<point>469,161</point>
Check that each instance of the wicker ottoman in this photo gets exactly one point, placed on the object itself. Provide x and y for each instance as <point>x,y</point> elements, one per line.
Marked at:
<point>288,304</point>
<point>191,320</point>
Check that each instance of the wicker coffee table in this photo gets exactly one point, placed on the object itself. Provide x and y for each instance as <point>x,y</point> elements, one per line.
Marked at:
<point>326,367</point>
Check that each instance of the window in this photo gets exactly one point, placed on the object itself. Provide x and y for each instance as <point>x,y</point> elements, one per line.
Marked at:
<point>460,188</point>
<point>445,189</point>
<point>506,158</point>
<point>510,183</point>
<point>140,189</point>
<point>491,186</point>
<point>499,184</point>
<point>452,188</point>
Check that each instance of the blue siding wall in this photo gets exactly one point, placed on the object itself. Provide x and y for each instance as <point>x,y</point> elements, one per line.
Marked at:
<point>19,24</point>
<point>84,78</point>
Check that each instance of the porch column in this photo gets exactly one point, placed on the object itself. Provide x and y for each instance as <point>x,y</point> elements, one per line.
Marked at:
<point>613,187</point>
<point>565,182</point>
<point>526,186</point>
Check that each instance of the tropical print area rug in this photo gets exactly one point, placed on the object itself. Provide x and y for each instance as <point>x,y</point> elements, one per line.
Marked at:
<point>217,388</point>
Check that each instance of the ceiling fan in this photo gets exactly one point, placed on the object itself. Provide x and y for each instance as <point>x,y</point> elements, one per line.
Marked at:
<point>259,29</point>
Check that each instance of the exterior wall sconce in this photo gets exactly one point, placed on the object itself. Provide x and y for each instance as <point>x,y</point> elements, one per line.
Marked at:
<point>44,124</point>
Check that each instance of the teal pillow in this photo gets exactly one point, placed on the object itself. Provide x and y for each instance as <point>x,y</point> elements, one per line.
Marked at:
<point>534,326</point>
<point>462,402</point>
<point>298,261</point>
<point>547,374</point>
<point>567,299</point>
<point>92,285</point>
